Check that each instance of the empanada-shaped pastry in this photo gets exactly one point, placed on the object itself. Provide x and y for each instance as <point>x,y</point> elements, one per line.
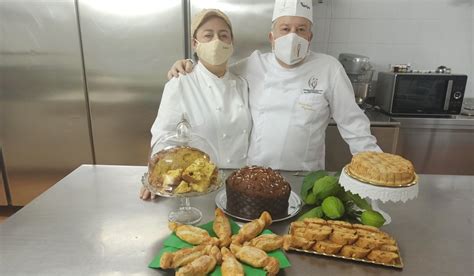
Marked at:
<point>191,234</point>
<point>186,255</point>
<point>266,242</point>
<point>230,265</point>
<point>199,267</point>
<point>181,257</point>
<point>251,229</point>
<point>222,228</point>
<point>256,258</point>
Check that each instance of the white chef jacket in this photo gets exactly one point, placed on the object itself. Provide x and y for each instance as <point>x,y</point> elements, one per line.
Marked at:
<point>217,109</point>
<point>291,109</point>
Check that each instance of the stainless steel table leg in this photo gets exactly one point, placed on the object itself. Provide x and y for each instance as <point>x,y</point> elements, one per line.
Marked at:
<point>5,178</point>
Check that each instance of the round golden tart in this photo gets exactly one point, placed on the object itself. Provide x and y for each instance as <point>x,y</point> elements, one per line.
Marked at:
<point>381,168</point>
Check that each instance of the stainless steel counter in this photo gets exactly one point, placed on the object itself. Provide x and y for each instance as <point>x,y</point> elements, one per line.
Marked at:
<point>92,223</point>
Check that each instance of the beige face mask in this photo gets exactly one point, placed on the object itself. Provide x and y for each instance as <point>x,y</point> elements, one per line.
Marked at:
<point>215,52</point>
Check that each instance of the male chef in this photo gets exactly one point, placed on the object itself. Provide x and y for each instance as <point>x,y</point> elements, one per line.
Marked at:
<point>293,93</point>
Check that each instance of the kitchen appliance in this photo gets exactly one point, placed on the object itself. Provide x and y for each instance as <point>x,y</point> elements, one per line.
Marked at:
<point>420,93</point>
<point>88,92</point>
<point>360,72</point>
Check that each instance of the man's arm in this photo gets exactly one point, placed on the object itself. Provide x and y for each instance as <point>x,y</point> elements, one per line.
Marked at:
<point>181,66</point>
<point>352,123</point>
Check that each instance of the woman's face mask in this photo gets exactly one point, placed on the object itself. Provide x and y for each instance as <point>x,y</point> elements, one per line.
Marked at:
<point>291,48</point>
<point>214,52</point>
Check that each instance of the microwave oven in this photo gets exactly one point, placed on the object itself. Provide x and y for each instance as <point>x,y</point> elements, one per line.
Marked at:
<point>420,93</point>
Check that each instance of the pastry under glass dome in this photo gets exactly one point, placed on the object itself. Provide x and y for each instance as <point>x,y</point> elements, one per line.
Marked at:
<point>183,164</point>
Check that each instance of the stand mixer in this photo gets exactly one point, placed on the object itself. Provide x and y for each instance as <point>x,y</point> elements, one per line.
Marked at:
<point>360,73</point>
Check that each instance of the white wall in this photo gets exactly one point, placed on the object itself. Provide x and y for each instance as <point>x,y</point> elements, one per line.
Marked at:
<point>424,33</point>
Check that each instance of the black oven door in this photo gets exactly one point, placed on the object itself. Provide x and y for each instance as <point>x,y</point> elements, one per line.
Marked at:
<point>428,94</point>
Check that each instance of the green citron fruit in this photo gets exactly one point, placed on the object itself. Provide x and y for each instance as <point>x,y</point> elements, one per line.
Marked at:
<point>310,199</point>
<point>333,207</point>
<point>372,218</point>
<point>316,212</point>
<point>326,186</point>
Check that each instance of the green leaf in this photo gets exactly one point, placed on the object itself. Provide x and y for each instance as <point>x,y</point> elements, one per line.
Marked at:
<point>309,180</point>
<point>358,201</point>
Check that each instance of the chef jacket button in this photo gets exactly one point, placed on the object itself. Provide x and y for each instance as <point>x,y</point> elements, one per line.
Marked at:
<point>224,135</point>
<point>244,131</point>
<point>228,160</point>
<point>218,108</point>
<point>241,105</point>
<point>244,155</point>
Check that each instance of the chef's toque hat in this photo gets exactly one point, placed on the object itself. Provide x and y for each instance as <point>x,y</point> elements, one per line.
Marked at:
<point>303,8</point>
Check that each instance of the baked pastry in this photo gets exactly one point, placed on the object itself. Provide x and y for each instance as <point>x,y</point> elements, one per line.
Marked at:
<point>317,234</point>
<point>252,190</point>
<point>181,170</point>
<point>339,223</point>
<point>383,256</point>
<point>382,168</point>
<point>296,242</point>
<point>230,265</point>
<point>314,221</point>
<point>256,258</point>
<point>252,229</point>
<point>327,247</point>
<point>352,251</point>
<point>200,266</point>
<point>192,234</point>
<point>221,227</point>
<point>368,242</point>
<point>266,242</point>
<point>341,238</point>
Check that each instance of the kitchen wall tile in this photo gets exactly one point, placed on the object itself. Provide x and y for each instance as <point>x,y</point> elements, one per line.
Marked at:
<point>363,8</point>
<point>424,33</point>
<point>340,30</point>
<point>342,8</point>
<point>427,9</point>
<point>320,35</point>
<point>322,10</point>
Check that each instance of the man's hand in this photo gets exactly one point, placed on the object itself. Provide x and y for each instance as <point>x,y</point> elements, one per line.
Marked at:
<point>145,194</point>
<point>181,66</point>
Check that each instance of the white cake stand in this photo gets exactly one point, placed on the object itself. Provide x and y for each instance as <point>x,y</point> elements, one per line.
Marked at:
<point>375,193</point>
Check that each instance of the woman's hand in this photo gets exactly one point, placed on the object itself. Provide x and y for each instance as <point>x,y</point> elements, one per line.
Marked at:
<point>181,66</point>
<point>145,194</point>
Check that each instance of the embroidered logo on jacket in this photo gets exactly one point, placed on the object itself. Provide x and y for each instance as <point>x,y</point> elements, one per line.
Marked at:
<point>312,84</point>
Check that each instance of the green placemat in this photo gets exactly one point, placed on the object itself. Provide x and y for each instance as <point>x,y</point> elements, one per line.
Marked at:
<point>173,243</point>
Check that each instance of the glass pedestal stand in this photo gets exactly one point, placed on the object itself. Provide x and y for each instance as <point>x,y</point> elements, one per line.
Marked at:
<point>185,214</point>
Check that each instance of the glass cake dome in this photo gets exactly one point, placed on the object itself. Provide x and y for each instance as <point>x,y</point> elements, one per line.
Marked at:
<point>183,164</point>
<point>184,137</point>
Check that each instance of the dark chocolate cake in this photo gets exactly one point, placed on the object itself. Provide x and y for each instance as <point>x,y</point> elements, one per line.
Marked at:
<point>252,190</point>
